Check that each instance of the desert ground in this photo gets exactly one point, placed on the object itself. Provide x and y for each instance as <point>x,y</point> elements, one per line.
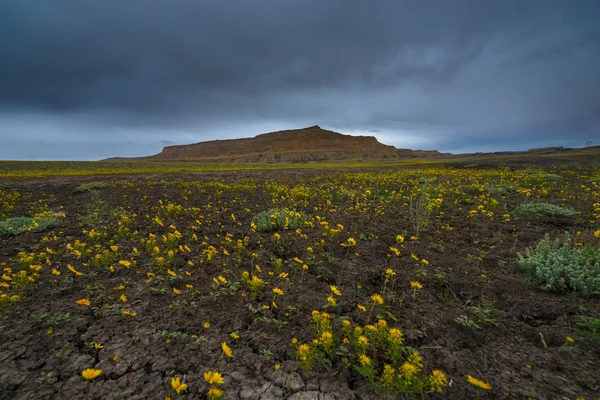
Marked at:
<point>425,281</point>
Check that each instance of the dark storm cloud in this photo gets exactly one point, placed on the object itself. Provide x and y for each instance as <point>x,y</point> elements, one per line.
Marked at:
<point>426,74</point>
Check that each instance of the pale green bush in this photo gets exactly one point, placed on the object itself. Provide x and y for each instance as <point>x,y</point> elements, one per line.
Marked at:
<point>532,210</point>
<point>561,267</point>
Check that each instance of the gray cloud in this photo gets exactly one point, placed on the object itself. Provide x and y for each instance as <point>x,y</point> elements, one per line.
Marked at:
<point>90,77</point>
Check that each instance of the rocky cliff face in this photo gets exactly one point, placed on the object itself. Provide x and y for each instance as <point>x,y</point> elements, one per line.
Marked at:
<point>297,145</point>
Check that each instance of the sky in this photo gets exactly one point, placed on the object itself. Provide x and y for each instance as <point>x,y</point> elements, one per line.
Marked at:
<point>89,79</point>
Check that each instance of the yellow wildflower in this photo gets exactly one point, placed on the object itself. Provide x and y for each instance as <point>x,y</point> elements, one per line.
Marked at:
<point>479,384</point>
<point>90,373</point>
<point>416,285</point>
<point>214,393</point>
<point>226,350</point>
<point>213,378</point>
<point>377,299</point>
<point>364,359</point>
<point>335,290</point>
<point>83,302</point>
<point>177,385</point>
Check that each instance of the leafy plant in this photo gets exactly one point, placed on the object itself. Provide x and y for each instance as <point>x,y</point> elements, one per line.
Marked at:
<point>535,210</point>
<point>562,268</point>
<point>278,219</point>
<point>589,328</point>
<point>419,209</point>
<point>88,187</point>
<point>19,225</point>
<point>466,322</point>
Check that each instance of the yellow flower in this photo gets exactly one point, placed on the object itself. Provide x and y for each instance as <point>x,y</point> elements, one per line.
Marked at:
<point>234,335</point>
<point>361,307</point>
<point>377,299</point>
<point>226,350</point>
<point>597,233</point>
<point>364,359</point>
<point>213,378</point>
<point>331,301</point>
<point>416,285</point>
<point>130,313</point>
<point>399,239</point>
<point>98,346</point>
<point>214,393</point>
<point>407,369</point>
<point>351,242</point>
<point>171,272</point>
<point>123,298</point>
<point>569,339</point>
<point>424,262</point>
<point>390,272</point>
<point>177,385</point>
<point>479,384</point>
<point>73,270</point>
<point>278,291</point>
<point>206,325</point>
<point>303,351</point>
<point>335,290</point>
<point>55,272</point>
<point>90,373</point>
<point>438,380</point>
<point>124,263</point>
<point>277,366</point>
<point>176,291</point>
<point>83,302</point>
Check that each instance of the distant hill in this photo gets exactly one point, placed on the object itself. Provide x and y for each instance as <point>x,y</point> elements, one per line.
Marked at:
<point>296,145</point>
<point>314,144</point>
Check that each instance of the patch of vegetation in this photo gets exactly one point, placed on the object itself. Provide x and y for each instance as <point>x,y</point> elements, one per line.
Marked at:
<point>97,211</point>
<point>589,328</point>
<point>12,186</point>
<point>19,225</point>
<point>88,187</point>
<point>535,210</point>
<point>562,268</point>
<point>278,219</point>
<point>419,209</point>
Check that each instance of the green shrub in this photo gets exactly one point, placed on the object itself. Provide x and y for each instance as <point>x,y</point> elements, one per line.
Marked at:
<point>278,219</point>
<point>88,187</point>
<point>562,268</point>
<point>532,210</point>
<point>589,328</point>
<point>19,225</point>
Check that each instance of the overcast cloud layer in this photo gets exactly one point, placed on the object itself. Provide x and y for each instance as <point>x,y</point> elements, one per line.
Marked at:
<point>88,79</point>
